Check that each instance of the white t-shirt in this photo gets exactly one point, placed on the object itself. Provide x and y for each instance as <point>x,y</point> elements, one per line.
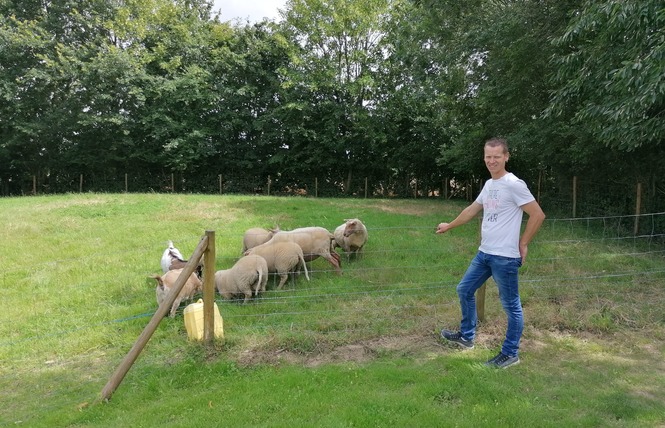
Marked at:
<point>502,215</point>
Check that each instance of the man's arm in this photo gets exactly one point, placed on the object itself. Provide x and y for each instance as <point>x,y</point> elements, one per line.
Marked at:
<point>536,218</point>
<point>465,216</point>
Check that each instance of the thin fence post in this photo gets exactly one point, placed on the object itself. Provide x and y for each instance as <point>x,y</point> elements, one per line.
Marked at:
<point>81,183</point>
<point>209,289</point>
<point>638,209</point>
<point>316,187</point>
<point>269,182</point>
<point>172,183</point>
<point>365,187</point>
<point>126,183</point>
<point>34,184</point>
<point>574,196</point>
<point>219,177</point>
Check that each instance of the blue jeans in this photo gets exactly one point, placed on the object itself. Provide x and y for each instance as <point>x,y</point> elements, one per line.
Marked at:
<point>504,271</point>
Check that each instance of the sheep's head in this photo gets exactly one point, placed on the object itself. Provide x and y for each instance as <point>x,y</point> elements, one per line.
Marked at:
<point>352,226</point>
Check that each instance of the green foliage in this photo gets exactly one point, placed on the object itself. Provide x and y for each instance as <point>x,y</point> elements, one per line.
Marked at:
<point>401,93</point>
<point>611,75</point>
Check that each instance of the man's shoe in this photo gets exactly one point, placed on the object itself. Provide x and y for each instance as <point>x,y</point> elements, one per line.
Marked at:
<point>456,337</point>
<point>502,361</point>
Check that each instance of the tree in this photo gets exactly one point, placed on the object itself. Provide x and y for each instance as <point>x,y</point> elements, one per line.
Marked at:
<point>610,79</point>
<point>330,82</point>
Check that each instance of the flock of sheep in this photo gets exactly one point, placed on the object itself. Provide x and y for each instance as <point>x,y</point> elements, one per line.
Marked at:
<point>264,251</point>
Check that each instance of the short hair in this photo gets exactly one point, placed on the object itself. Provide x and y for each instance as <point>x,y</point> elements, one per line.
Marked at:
<point>498,142</point>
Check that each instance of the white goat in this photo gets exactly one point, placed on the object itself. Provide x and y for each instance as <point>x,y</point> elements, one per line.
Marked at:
<point>172,258</point>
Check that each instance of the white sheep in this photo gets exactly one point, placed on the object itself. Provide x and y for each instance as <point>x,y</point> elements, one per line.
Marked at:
<point>351,237</point>
<point>314,241</point>
<point>256,236</point>
<point>166,282</point>
<point>281,257</point>
<point>248,277</point>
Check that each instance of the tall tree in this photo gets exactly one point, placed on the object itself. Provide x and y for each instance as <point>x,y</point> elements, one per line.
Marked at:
<point>331,82</point>
<point>611,75</point>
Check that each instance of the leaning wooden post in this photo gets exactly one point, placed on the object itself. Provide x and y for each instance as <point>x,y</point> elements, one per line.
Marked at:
<point>209,289</point>
<point>638,209</point>
<point>148,331</point>
<point>480,293</point>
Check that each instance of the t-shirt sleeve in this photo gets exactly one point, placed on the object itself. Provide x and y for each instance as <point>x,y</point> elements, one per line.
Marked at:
<point>521,193</point>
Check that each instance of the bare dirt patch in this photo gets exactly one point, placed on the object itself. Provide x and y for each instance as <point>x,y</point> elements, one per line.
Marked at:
<point>411,345</point>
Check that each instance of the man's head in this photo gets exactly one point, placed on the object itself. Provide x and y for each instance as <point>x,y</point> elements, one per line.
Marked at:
<point>496,156</point>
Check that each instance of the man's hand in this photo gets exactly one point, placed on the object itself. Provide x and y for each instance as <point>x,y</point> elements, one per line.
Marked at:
<point>442,228</point>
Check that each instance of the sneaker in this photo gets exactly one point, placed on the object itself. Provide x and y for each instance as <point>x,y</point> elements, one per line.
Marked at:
<point>456,337</point>
<point>502,361</point>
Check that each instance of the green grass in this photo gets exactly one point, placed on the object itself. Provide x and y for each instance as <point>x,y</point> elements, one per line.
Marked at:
<point>360,349</point>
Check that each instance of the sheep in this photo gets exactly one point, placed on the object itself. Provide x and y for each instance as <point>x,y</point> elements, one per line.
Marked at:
<point>281,257</point>
<point>314,241</point>
<point>166,281</point>
<point>172,258</point>
<point>248,276</point>
<point>351,237</point>
<point>256,236</point>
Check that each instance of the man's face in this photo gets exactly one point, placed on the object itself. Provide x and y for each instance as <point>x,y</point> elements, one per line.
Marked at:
<point>495,159</point>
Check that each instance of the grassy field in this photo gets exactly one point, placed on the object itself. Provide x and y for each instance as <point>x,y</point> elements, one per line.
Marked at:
<point>357,349</point>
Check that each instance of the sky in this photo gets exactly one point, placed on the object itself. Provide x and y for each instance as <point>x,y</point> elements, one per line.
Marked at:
<point>255,10</point>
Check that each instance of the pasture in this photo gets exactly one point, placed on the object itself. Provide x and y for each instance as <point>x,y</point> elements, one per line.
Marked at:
<point>357,349</point>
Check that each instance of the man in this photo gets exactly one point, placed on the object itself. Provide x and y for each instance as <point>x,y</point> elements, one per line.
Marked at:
<point>502,251</point>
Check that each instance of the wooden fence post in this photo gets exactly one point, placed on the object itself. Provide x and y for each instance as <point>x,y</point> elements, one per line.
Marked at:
<point>316,187</point>
<point>269,182</point>
<point>220,183</point>
<point>34,184</point>
<point>81,183</point>
<point>574,196</point>
<point>148,331</point>
<point>209,289</point>
<point>126,183</point>
<point>638,209</point>
<point>365,187</point>
<point>172,183</point>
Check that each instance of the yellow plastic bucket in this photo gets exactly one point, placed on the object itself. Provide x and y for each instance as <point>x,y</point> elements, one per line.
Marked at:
<point>194,321</point>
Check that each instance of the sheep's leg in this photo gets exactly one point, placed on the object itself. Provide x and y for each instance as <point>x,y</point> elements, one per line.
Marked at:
<point>283,277</point>
<point>174,307</point>
<point>336,261</point>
